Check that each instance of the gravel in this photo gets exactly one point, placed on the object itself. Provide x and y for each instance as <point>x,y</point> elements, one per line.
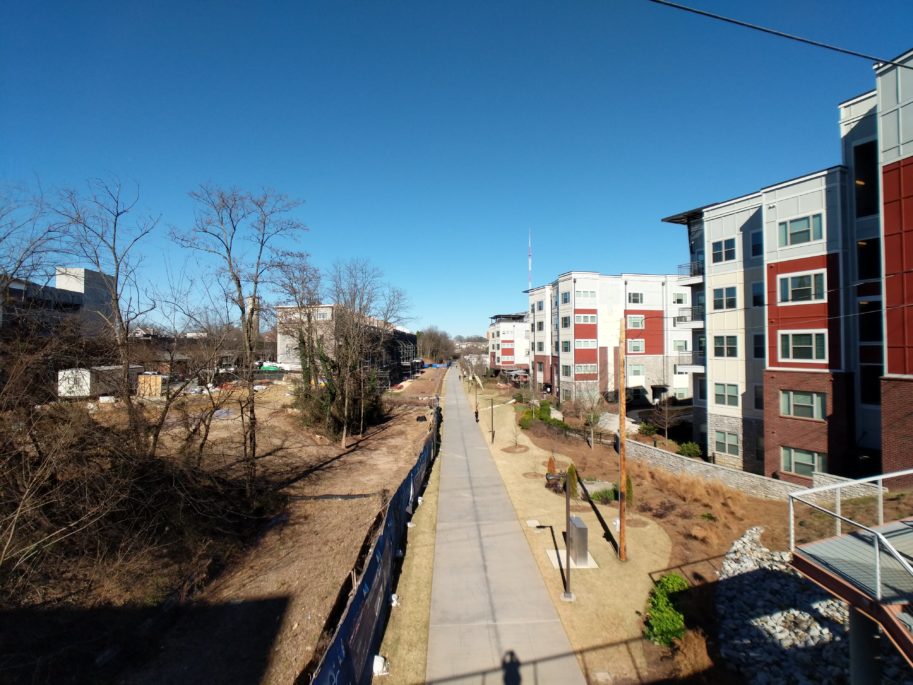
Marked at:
<point>777,627</point>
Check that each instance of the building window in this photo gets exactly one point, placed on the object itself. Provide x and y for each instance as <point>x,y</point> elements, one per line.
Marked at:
<point>726,393</point>
<point>758,345</point>
<point>802,230</point>
<point>803,346</point>
<point>865,171</point>
<point>802,287</point>
<point>566,370</point>
<point>539,367</point>
<point>585,344</point>
<point>701,345</point>
<point>757,294</point>
<point>757,243</point>
<point>635,369</point>
<point>586,294</point>
<point>679,298</point>
<point>584,368</point>
<point>584,318</point>
<point>635,321</point>
<point>556,347</point>
<point>680,345</point>
<point>635,298</point>
<point>727,443</point>
<point>540,325</point>
<point>870,383</point>
<point>724,298</point>
<point>566,297</point>
<point>540,305</point>
<point>868,259</point>
<point>507,358</point>
<point>802,462</point>
<point>702,389</point>
<point>532,327</point>
<point>725,346</point>
<point>565,345</point>
<point>759,397</point>
<point>723,250</point>
<point>540,346</point>
<point>565,322</point>
<point>803,404</point>
<point>635,345</point>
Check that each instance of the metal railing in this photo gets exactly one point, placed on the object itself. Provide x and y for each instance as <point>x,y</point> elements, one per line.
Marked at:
<point>689,359</point>
<point>691,269</point>
<point>881,543</point>
<point>689,314</point>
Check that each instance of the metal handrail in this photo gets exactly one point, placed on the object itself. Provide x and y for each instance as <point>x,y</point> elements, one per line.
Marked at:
<point>880,541</point>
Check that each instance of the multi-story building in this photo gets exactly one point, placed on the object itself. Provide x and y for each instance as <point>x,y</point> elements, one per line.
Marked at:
<point>575,328</point>
<point>508,342</point>
<point>793,278</point>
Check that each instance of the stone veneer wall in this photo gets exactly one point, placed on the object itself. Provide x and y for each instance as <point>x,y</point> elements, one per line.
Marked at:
<point>727,424</point>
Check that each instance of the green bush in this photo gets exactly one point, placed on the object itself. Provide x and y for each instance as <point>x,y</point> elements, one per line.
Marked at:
<point>557,423</point>
<point>690,449</point>
<point>571,481</point>
<point>604,496</point>
<point>526,420</point>
<point>545,411</point>
<point>664,622</point>
<point>646,428</point>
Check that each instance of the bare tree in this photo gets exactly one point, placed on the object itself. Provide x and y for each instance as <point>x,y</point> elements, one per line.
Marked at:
<point>592,403</point>
<point>241,230</point>
<point>103,229</point>
<point>298,283</point>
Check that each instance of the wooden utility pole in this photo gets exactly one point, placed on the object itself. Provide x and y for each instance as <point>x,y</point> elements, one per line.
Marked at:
<point>622,471</point>
<point>492,420</point>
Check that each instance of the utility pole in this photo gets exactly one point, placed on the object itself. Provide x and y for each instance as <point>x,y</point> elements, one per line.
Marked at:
<point>492,420</point>
<point>622,471</point>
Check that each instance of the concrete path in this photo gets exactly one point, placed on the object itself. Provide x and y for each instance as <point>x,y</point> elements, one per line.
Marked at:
<point>492,620</point>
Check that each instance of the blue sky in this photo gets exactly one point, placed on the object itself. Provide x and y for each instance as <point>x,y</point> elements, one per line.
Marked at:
<point>430,137</point>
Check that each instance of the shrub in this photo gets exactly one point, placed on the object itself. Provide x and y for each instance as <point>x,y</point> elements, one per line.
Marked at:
<point>665,623</point>
<point>690,449</point>
<point>545,411</point>
<point>526,420</point>
<point>604,496</point>
<point>557,423</point>
<point>646,428</point>
<point>552,468</point>
<point>571,481</point>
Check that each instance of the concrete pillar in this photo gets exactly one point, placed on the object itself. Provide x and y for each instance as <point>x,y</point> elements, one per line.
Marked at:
<point>865,649</point>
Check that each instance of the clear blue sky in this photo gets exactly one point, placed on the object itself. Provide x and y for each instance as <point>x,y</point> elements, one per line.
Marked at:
<point>431,136</point>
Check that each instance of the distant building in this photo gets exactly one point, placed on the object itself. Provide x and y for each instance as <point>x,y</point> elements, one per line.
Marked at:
<point>393,362</point>
<point>508,342</point>
<point>575,327</point>
<point>82,295</point>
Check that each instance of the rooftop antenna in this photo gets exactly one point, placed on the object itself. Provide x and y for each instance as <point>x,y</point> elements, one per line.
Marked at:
<point>529,254</point>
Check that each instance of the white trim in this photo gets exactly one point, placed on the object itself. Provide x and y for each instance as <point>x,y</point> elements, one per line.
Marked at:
<point>793,274</point>
<point>802,331</point>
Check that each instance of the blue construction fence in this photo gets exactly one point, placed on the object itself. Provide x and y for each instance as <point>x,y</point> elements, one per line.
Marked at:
<point>350,656</point>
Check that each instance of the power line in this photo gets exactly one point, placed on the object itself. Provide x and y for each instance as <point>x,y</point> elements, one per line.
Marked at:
<point>779,34</point>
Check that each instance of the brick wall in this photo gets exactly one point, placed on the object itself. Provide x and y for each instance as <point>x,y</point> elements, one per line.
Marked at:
<point>833,436</point>
<point>896,424</point>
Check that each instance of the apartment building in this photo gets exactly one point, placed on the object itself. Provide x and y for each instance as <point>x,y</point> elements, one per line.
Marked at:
<point>803,306</point>
<point>575,327</point>
<point>508,342</point>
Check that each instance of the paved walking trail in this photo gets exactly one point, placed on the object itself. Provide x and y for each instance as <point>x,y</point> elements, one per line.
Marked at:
<point>492,619</point>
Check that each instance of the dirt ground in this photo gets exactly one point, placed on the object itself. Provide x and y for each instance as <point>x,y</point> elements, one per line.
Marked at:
<point>261,619</point>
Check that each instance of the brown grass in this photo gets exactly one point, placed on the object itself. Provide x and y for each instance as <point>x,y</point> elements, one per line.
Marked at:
<point>690,656</point>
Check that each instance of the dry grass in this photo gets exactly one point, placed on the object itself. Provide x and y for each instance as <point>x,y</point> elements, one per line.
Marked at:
<point>691,657</point>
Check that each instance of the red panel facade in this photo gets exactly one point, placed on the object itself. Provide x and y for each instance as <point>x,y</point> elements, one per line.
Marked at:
<point>651,333</point>
<point>897,185</point>
<point>585,331</point>
<point>812,316</point>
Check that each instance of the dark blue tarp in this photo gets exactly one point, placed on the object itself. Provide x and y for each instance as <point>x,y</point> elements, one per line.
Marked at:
<point>349,658</point>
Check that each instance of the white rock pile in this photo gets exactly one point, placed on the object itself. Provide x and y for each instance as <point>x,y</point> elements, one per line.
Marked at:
<point>777,627</point>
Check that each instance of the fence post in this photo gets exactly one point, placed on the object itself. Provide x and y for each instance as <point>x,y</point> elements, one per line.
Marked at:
<point>837,511</point>
<point>792,524</point>
<point>881,501</point>
<point>877,568</point>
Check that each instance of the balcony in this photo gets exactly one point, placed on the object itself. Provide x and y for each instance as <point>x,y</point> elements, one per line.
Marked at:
<point>689,362</point>
<point>690,317</point>
<point>867,565</point>
<point>691,273</point>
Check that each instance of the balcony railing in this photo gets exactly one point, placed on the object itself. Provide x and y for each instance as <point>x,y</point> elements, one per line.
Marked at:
<point>688,314</point>
<point>691,269</point>
<point>689,359</point>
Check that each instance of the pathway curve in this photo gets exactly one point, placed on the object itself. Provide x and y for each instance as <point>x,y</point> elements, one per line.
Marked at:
<point>492,619</point>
